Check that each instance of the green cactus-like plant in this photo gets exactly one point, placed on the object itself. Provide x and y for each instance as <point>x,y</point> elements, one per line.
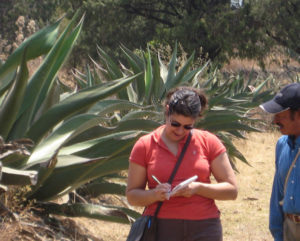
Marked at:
<point>62,155</point>
<point>230,99</point>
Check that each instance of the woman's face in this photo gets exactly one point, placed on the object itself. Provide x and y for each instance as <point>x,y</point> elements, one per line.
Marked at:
<point>178,126</point>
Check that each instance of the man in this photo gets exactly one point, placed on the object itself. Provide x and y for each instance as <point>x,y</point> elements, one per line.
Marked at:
<point>285,198</point>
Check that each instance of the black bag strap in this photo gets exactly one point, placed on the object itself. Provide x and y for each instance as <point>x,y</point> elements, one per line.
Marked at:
<point>175,169</point>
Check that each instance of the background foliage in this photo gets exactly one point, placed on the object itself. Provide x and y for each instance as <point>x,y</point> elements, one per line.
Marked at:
<point>212,28</point>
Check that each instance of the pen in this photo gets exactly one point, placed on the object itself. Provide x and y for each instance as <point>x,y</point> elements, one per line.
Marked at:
<point>155,179</point>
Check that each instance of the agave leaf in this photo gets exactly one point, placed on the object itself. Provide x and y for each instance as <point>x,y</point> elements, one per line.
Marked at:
<point>142,114</point>
<point>258,89</point>
<point>136,62</point>
<point>158,84</point>
<point>200,71</point>
<point>49,169</point>
<point>172,68</point>
<point>6,82</point>
<point>80,78</point>
<point>89,77</point>
<point>101,212</point>
<point>181,76</point>
<point>108,146</point>
<point>51,99</point>
<point>60,51</point>
<point>189,76</point>
<point>95,189</point>
<point>113,165</point>
<point>148,77</point>
<point>216,117</point>
<point>112,68</point>
<point>74,104</point>
<point>44,77</point>
<point>127,125</point>
<point>110,166</point>
<point>49,147</point>
<point>37,44</point>
<point>84,145</point>
<point>137,65</point>
<point>13,100</point>
<point>61,178</point>
<point>14,159</point>
<point>132,95</point>
<point>235,134</point>
<point>264,96</point>
<point>233,152</point>
<point>163,69</point>
<point>66,178</point>
<point>215,128</point>
<point>222,100</point>
<point>45,169</point>
<point>68,161</point>
<point>12,176</point>
<point>104,107</point>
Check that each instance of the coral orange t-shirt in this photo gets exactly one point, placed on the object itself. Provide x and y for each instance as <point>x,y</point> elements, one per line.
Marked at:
<point>151,152</point>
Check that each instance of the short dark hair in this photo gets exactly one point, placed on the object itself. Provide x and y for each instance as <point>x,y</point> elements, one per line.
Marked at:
<point>186,101</point>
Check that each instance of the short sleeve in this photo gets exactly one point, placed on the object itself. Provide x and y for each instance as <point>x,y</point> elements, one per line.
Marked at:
<point>138,153</point>
<point>215,147</point>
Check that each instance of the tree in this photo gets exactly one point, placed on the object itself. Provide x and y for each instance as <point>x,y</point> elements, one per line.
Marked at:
<point>42,11</point>
<point>251,31</point>
<point>189,22</point>
<point>283,24</point>
<point>219,29</point>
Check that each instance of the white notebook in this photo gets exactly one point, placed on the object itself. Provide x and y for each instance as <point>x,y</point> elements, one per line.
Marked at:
<point>182,185</point>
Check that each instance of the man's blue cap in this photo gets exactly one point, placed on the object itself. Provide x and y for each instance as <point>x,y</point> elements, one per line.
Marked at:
<point>287,98</point>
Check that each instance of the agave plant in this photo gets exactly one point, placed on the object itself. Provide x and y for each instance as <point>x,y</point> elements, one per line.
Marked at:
<point>74,142</point>
<point>230,104</point>
<point>229,99</point>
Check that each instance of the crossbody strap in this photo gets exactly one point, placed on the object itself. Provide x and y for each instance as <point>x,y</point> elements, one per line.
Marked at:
<point>288,175</point>
<point>175,169</point>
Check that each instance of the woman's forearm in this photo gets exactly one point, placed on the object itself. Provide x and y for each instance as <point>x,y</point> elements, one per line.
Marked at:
<point>140,197</point>
<point>218,191</point>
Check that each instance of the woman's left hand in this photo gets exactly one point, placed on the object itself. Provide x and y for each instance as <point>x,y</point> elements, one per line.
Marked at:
<point>187,191</point>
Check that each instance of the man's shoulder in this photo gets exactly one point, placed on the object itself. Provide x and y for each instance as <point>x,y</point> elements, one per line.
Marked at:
<point>282,141</point>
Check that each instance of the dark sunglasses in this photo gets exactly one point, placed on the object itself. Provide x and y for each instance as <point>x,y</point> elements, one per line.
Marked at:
<point>176,124</point>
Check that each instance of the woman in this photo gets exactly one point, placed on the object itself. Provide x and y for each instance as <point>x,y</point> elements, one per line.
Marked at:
<point>191,214</point>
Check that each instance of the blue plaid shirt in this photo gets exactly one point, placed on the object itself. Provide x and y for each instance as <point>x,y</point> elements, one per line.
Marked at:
<point>286,150</point>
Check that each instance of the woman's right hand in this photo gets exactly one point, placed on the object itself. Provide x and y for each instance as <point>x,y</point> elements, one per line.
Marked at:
<point>161,191</point>
<point>136,191</point>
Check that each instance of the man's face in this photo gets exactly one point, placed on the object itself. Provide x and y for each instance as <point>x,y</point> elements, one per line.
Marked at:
<point>288,123</point>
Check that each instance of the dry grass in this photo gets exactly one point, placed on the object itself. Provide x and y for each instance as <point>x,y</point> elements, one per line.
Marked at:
<point>244,219</point>
<point>247,218</point>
